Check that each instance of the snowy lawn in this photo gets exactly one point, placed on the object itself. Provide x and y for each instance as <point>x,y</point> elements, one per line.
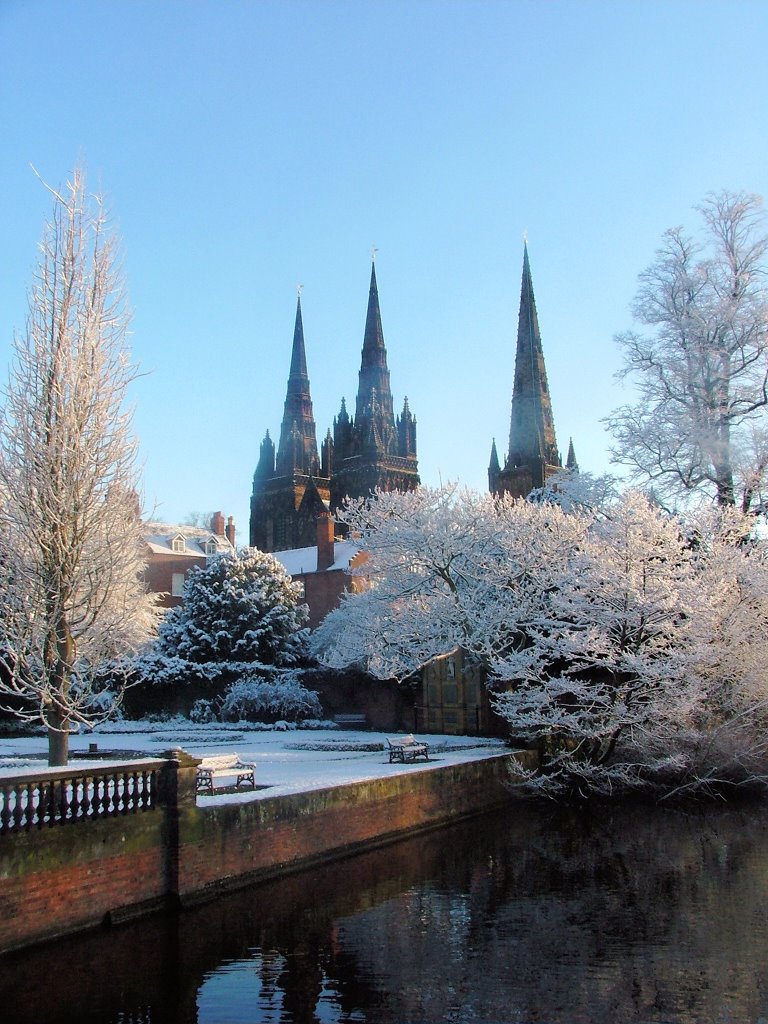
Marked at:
<point>286,762</point>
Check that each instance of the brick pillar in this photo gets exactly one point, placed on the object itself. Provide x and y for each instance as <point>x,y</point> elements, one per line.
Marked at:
<point>231,530</point>
<point>177,792</point>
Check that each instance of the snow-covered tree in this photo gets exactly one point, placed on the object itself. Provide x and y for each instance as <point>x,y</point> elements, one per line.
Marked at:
<point>71,574</point>
<point>242,608</point>
<point>445,567</point>
<point>699,422</point>
<point>576,490</point>
<point>627,645</point>
<point>242,615</point>
<point>644,674</point>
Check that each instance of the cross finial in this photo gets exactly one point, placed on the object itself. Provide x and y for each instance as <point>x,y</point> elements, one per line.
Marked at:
<point>525,237</point>
<point>374,250</point>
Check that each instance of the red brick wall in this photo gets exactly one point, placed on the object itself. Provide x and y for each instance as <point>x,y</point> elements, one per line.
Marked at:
<point>220,845</point>
<point>61,879</point>
<point>323,592</point>
<point>159,572</point>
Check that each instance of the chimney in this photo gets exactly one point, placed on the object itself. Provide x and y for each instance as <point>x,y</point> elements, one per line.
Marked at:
<point>231,530</point>
<point>217,524</point>
<point>326,529</point>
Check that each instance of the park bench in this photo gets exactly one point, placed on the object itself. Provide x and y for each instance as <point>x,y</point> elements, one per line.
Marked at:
<point>350,720</point>
<point>406,748</point>
<point>221,766</point>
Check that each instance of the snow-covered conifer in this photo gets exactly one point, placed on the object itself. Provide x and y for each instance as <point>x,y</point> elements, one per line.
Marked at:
<point>242,609</point>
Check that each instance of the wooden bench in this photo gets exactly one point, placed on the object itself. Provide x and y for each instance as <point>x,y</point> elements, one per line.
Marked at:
<point>406,748</point>
<point>224,765</point>
<point>350,720</point>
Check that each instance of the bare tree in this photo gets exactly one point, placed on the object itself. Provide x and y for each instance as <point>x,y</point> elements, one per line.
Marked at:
<point>701,376</point>
<point>71,575</point>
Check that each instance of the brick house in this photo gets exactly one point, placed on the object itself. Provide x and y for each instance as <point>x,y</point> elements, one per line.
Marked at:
<point>171,551</point>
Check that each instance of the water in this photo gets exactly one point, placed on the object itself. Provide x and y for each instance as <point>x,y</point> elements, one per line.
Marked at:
<point>532,915</point>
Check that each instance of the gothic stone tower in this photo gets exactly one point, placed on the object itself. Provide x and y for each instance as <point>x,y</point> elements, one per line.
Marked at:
<point>533,454</point>
<point>375,449</point>
<point>291,490</point>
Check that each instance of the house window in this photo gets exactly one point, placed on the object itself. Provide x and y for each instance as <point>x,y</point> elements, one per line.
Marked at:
<point>178,545</point>
<point>211,547</point>
<point>451,667</point>
<point>177,584</point>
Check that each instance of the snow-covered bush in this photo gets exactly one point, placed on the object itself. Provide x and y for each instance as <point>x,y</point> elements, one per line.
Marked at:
<point>202,712</point>
<point>256,699</point>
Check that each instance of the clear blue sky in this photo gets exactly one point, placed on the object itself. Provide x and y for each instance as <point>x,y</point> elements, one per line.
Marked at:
<point>247,147</point>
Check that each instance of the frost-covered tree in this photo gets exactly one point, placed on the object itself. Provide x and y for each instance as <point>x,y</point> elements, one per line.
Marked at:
<point>241,614</point>
<point>71,576</point>
<point>645,672</point>
<point>575,490</point>
<point>701,371</point>
<point>627,645</point>
<point>445,567</point>
<point>253,698</point>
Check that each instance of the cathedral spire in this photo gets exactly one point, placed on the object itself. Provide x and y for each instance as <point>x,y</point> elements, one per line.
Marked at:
<point>298,371</point>
<point>297,451</point>
<point>532,428</point>
<point>533,454</point>
<point>288,490</point>
<point>571,462</point>
<point>374,374</point>
<point>374,450</point>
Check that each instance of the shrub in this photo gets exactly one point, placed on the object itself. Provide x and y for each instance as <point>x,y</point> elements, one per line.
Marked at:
<point>256,699</point>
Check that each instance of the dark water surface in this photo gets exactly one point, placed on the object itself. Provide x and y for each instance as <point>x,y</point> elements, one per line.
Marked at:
<point>533,915</point>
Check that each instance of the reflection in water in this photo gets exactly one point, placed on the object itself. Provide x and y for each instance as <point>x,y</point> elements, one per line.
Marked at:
<point>536,915</point>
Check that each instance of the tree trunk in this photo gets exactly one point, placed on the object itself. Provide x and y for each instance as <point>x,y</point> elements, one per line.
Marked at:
<point>58,715</point>
<point>725,491</point>
<point>58,743</point>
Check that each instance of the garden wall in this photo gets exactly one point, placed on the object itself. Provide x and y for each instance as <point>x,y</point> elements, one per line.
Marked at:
<point>79,872</point>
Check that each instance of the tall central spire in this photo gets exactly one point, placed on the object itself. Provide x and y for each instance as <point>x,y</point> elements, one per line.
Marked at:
<point>374,392</point>
<point>375,450</point>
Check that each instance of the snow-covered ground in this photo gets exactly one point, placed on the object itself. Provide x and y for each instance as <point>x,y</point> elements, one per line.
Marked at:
<point>286,762</point>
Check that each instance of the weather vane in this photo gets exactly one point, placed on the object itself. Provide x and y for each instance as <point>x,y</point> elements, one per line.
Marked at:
<point>525,237</point>
<point>299,289</point>
<point>374,250</point>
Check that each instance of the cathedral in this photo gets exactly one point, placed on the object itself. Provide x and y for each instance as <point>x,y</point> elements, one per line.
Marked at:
<point>533,455</point>
<point>298,485</point>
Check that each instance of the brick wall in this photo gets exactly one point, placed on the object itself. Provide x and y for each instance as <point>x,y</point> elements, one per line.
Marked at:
<point>64,877</point>
<point>220,846</point>
<point>72,876</point>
